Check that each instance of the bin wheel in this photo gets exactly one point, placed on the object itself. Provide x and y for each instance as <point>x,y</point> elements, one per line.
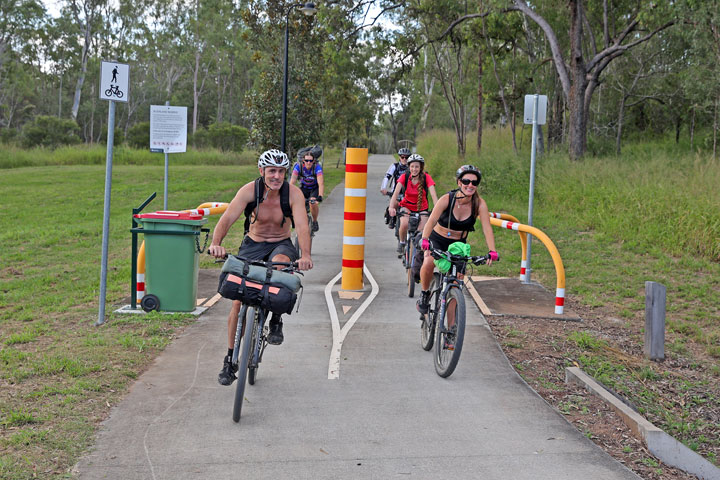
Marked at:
<point>150,303</point>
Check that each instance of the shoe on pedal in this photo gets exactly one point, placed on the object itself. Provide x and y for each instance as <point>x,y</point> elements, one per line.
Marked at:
<point>275,336</point>
<point>423,303</point>
<point>227,374</point>
<point>315,226</point>
<point>401,247</point>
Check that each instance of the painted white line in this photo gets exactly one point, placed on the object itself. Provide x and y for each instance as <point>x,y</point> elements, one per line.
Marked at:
<point>338,333</point>
<point>333,369</point>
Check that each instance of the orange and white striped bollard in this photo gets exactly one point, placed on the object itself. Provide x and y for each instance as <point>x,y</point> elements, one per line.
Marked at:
<point>353,257</point>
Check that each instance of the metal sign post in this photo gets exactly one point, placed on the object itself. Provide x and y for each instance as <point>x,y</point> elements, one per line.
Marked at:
<point>168,134</point>
<point>113,87</point>
<point>535,110</point>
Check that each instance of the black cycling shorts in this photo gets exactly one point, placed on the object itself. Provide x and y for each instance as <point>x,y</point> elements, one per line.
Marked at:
<point>266,251</point>
<point>443,243</point>
<point>311,193</point>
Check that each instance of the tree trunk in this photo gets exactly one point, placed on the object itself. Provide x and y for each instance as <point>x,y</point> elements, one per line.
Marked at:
<point>196,95</point>
<point>678,127</point>
<point>83,70</point>
<point>715,129</point>
<point>480,101</point>
<point>692,128</point>
<point>428,89</point>
<point>578,120</point>
<point>621,116</point>
<point>60,97</point>
<point>92,114</point>
<point>501,92</point>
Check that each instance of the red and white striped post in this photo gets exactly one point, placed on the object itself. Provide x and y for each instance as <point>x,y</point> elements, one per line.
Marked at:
<point>353,258</point>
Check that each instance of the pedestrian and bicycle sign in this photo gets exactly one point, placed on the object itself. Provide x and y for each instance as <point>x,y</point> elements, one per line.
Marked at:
<point>114,81</point>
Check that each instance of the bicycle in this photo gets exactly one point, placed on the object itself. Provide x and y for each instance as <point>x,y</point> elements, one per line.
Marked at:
<point>444,324</point>
<point>408,254</point>
<point>248,361</point>
<point>114,90</point>
<point>296,242</point>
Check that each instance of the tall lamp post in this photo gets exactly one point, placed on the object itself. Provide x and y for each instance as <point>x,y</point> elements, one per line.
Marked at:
<point>309,10</point>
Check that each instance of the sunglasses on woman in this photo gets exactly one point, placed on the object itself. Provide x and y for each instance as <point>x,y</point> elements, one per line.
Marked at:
<point>467,181</point>
<point>404,156</point>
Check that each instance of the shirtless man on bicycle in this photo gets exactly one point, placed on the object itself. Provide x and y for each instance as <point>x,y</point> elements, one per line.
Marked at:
<point>266,202</point>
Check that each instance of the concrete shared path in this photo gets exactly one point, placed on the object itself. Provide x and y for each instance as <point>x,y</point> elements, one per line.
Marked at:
<point>386,415</point>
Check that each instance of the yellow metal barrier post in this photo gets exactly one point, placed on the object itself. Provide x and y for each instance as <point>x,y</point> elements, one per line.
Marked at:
<point>559,268</point>
<point>353,256</point>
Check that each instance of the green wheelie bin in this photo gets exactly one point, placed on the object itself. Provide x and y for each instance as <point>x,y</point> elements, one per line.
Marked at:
<point>172,248</point>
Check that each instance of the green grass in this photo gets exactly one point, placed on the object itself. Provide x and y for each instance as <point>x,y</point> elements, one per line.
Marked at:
<point>59,373</point>
<point>15,157</point>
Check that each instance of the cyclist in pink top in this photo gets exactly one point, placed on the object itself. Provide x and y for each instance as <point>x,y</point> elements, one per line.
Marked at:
<point>416,195</point>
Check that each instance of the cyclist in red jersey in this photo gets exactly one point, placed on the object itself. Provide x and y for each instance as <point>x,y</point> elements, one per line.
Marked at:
<point>416,183</point>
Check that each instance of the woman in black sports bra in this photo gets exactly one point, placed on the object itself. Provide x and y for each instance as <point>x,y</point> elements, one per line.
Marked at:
<point>452,219</point>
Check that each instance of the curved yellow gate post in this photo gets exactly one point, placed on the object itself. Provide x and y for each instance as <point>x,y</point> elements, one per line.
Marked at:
<point>353,256</point>
<point>559,268</point>
<point>523,240</point>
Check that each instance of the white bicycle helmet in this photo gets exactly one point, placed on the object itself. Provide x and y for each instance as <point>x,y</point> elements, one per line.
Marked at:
<point>273,158</point>
<point>416,158</point>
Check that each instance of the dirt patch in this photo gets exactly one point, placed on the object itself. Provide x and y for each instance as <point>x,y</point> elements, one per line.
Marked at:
<point>680,395</point>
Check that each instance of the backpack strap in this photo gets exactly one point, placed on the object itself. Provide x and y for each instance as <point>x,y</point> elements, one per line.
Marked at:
<point>285,203</point>
<point>250,207</point>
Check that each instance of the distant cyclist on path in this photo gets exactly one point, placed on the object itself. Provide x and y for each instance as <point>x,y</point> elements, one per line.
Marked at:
<point>415,184</point>
<point>394,171</point>
<point>312,183</point>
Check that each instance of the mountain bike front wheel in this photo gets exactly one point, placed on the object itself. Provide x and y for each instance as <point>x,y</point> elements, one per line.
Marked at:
<point>257,342</point>
<point>427,328</point>
<point>247,344</point>
<point>450,333</point>
<point>410,252</point>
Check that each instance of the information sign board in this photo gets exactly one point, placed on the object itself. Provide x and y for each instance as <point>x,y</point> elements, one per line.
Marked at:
<point>542,109</point>
<point>168,129</point>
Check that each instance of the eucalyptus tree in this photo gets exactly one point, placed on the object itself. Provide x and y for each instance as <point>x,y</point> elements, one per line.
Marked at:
<point>597,34</point>
<point>21,32</point>
<point>85,19</point>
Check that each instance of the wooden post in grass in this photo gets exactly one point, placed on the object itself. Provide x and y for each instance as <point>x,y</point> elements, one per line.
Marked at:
<point>654,321</point>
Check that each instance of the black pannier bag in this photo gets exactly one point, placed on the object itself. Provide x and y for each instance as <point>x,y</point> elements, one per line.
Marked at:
<point>274,297</point>
<point>240,281</point>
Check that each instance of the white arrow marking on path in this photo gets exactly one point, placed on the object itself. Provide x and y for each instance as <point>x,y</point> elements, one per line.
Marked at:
<point>339,334</point>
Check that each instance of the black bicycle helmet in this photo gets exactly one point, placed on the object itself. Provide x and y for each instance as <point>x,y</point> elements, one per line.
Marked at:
<point>405,152</point>
<point>468,169</point>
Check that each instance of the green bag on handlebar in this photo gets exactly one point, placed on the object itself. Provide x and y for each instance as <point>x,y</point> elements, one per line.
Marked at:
<point>457,248</point>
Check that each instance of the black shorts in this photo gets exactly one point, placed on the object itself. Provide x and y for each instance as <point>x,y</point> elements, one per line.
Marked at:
<point>311,193</point>
<point>443,243</point>
<point>266,251</point>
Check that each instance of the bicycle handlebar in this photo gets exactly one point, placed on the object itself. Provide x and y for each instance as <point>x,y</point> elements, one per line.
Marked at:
<point>453,258</point>
<point>290,267</point>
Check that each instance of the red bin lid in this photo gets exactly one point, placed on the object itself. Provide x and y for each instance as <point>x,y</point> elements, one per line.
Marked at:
<point>170,215</point>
